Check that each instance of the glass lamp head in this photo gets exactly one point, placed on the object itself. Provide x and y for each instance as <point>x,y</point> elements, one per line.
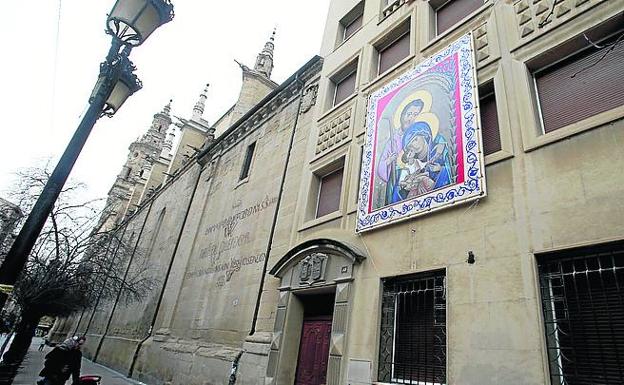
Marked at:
<point>133,21</point>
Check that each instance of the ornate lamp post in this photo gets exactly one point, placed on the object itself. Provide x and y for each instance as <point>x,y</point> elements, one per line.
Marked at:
<point>130,23</point>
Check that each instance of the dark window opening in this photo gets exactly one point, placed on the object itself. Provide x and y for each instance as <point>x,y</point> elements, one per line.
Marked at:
<point>413,329</point>
<point>490,132</point>
<point>329,193</point>
<point>350,29</point>
<point>582,292</point>
<point>352,21</point>
<point>580,86</point>
<point>247,162</point>
<point>344,83</point>
<point>317,305</point>
<point>396,49</point>
<point>450,12</point>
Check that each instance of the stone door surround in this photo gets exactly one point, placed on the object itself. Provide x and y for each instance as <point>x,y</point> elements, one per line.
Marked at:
<point>319,265</point>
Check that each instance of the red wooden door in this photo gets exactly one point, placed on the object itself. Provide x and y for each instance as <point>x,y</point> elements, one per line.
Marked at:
<point>313,352</point>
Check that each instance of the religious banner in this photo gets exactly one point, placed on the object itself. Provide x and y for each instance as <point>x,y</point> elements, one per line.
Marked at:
<point>423,148</point>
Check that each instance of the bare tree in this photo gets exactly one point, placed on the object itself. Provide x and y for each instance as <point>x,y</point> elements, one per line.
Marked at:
<point>72,263</point>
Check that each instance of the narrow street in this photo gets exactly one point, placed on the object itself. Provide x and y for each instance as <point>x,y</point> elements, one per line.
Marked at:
<point>33,363</point>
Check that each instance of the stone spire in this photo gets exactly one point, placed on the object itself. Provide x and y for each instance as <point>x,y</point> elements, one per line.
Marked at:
<point>198,110</point>
<point>167,109</point>
<point>168,145</point>
<point>264,61</point>
<point>155,135</point>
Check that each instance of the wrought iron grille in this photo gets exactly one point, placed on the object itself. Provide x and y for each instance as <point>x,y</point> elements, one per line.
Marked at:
<point>413,330</point>
<point>582,300</point>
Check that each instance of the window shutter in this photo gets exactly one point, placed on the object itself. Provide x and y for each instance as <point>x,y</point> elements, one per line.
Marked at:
<point>394,53</point>
<point>453,11</point>
<point>345,88</point>
<point>490,132</point>
<point>329,193</point>
<point>352,27</point>
<point>580,87</point>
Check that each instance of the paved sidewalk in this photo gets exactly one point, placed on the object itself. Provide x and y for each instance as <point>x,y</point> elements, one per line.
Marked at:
<point>33,363</point>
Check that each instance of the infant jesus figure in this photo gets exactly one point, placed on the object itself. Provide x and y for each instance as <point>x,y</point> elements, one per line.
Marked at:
<point>414,178</point>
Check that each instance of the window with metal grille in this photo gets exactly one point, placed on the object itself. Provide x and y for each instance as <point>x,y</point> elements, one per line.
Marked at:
<point>450,12</point>
<point>582,85</point>
<point>329,193</point>
<point>413,329</point>
<point>582,293</point>
<point>490,132</point>
<point>247,162</point>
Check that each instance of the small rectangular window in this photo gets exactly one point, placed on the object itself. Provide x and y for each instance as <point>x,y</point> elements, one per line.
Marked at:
<point>344,88</point>
<point>413,330</point>
<point>490,132</point>
<point>352,22</point>
<point>329,193</point>
<point>582,85</point>
<point>392,53</point>
<point>247,162</point>
<point>450,12</point>
<point>352,27</point>
<point>581,291</point>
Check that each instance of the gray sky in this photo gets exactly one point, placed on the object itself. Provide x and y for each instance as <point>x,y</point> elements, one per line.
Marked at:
<point>47,76</point>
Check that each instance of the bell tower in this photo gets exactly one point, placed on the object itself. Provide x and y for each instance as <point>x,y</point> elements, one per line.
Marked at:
<point>131,181</point>
<point>143,151</point>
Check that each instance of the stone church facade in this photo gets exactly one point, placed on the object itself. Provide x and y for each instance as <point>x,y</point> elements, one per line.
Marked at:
<point>251,226</point>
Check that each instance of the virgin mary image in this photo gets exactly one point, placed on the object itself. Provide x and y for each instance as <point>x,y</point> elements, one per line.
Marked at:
<point>422,150</point>
<point>425,162</point>
<point>416,157</point>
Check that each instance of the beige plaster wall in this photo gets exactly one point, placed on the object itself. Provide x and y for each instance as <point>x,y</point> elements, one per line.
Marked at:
<point>544,192</point>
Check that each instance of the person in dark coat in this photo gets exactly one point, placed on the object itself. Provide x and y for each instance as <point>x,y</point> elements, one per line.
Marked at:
<point>62,362</point>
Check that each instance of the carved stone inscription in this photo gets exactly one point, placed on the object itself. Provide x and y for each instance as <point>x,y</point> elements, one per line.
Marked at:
<point>312,268</point>
<point>221,259</point>
<point>229,224</point>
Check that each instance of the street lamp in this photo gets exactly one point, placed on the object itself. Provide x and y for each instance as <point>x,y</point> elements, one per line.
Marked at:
<point>130,23</point>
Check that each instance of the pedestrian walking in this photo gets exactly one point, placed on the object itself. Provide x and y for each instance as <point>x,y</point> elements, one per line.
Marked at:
<point>43,344</point>
<point>62,362</point>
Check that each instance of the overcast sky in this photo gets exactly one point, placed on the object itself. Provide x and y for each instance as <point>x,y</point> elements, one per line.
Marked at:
<point>51,61</point>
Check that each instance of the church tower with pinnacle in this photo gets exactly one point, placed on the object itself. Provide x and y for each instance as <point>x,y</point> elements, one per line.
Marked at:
<point>194,132</point>
<point>264,60</point>
<point>143,153</point>
<point>256,85</point>
<point>148,147</point>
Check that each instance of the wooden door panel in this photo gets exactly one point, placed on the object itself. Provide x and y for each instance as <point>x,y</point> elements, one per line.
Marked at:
<point>313,352</point>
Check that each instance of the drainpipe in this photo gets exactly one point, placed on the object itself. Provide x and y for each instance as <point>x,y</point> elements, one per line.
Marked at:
<point>164,285</point>
<point>110,318</point>
<point>99,297</point>
<point>277,206</point>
